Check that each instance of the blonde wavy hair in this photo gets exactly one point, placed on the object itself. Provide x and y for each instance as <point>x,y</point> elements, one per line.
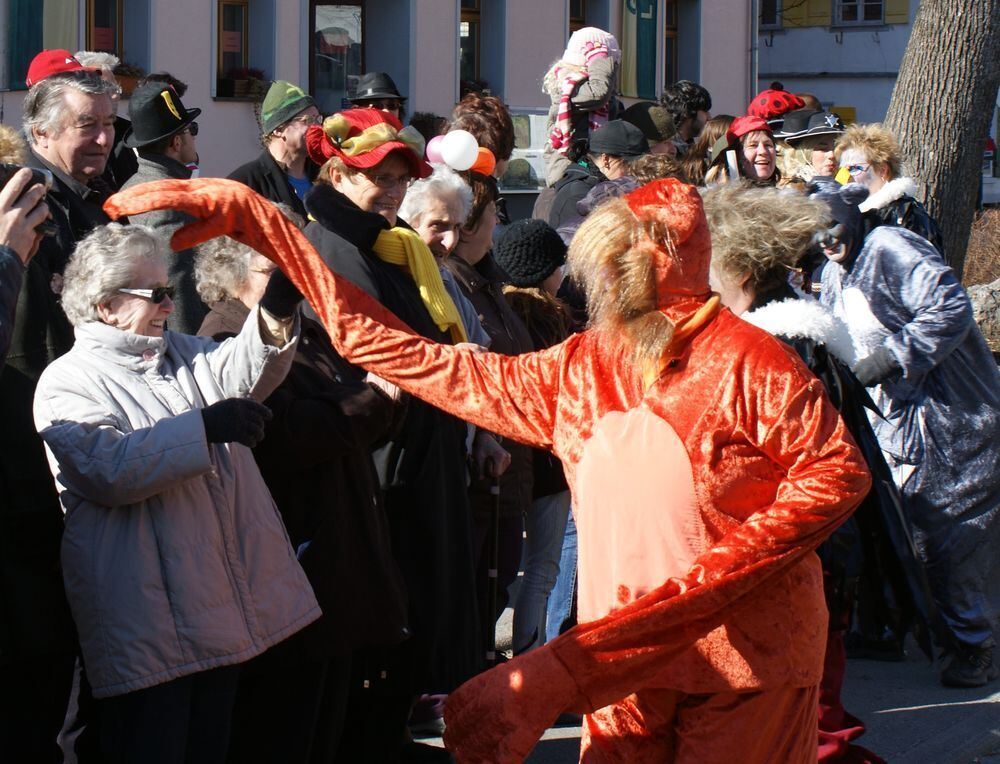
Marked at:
<point>613,256</point>
<point>760,234</point>
<point>878,144</point>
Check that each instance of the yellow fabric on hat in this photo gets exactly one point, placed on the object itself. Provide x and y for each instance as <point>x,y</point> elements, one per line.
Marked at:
<point>403,247</point>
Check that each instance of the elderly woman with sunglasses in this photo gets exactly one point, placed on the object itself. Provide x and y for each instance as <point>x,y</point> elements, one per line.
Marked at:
<point>176,565</point>
<point>367,161</point>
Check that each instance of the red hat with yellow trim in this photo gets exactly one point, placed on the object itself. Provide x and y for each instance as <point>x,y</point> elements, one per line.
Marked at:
<point>362,138</point>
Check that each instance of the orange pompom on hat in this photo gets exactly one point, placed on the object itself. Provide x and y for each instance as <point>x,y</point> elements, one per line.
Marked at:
<point>362,138</point>
<point>681,242</point>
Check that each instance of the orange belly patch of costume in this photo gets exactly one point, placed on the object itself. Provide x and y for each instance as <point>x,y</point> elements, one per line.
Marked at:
<point>637,519</point>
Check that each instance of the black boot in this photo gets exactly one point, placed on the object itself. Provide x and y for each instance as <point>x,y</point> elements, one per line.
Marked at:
<point>970,666</point>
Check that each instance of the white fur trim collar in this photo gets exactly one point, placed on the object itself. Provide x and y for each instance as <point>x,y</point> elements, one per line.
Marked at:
<point>807,319</point>
<point>890,192</point>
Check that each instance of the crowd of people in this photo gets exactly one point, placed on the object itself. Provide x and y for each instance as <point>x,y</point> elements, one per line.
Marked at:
<point>278,445</point>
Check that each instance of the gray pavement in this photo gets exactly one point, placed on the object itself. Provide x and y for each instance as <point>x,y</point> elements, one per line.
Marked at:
<point>911,718</point>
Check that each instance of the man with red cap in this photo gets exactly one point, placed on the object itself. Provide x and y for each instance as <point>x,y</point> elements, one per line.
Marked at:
<point>706,465</point>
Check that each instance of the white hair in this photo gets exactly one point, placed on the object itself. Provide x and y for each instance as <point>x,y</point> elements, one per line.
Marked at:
<point>441,183</point>
<point>221,268</point>
<point>97,60</point>
<point>45,104</point>
<point>102,263</point>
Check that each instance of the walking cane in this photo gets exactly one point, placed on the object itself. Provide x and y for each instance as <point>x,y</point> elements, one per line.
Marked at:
<point>493,554</point>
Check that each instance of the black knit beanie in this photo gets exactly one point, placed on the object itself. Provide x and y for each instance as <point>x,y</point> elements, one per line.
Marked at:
<point>529,251</point>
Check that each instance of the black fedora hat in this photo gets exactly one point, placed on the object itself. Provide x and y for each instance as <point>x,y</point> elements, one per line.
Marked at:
<point>372,85</point>
<point>806,123</point>
<point>156,112</point>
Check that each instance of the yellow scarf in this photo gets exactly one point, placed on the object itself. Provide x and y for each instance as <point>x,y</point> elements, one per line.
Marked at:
<point>403,247</point>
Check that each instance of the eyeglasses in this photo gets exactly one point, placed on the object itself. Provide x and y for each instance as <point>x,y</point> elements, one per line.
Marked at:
<point>192,128</point>
<point>309,119</point>
<point>857,169</point>
<point>385,104</point>
<point>156,294</point>
<point>389,181</point>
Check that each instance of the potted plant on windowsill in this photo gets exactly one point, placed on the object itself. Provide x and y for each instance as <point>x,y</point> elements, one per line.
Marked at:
<point>246,82</point>
<point>128,76</point>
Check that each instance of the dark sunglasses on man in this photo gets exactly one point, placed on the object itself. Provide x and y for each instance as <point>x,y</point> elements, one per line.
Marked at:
<point>156,294</point>
<point>192,128</point>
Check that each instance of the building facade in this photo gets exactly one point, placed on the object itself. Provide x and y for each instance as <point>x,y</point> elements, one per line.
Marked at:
<point>428,46</point>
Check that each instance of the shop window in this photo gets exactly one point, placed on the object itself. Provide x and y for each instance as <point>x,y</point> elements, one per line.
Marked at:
<point>860,12</point>
<point>337,59</point>
<point>469,40</point>
<point>670,75</point>
<point>104,26</point>
<point>577,15</point>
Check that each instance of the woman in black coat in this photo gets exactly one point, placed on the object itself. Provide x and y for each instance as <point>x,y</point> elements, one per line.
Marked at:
<point>316,461</point>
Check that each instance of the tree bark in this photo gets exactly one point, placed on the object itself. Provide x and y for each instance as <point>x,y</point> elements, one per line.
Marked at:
<point>942,106</point>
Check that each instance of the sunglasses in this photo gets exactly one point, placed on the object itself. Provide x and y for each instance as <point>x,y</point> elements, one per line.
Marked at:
<point>192,128</point>
<point>385,104</point>
<point>156,294</point>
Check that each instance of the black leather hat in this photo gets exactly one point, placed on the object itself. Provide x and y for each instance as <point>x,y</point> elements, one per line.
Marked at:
<point>374,85</point>
<point>156,112</point>
<point>619,138</point>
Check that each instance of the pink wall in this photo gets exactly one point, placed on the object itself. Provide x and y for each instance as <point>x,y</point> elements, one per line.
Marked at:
<point>725,54</point>
<point>536,35</point>
<point>433,55</point>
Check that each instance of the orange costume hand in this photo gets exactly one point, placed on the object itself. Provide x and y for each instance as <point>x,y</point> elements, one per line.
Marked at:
<point>498,716</point>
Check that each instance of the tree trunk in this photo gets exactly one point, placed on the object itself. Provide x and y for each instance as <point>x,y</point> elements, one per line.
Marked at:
<point>942,106</point>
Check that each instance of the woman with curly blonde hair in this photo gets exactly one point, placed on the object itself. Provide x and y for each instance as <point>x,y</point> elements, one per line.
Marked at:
<point>871,154</point>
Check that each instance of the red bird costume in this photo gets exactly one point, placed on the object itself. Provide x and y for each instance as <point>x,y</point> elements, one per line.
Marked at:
<point>700,491</point>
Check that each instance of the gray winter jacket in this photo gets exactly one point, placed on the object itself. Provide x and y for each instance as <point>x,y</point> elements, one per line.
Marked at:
<point>174,556</point>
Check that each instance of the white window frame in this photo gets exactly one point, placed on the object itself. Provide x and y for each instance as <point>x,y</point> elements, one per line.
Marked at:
<point>838,13</point>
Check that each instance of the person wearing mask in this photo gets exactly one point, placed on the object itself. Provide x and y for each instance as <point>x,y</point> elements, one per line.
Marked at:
<point>746,151</point>
<point>872,157</point>
<point>283,172</point>
<point>367,160</point>
<point>708,465</point>
<point>316,460</point>
<point>165,134</point>
<point>176,565</point>
<point>937,388</point>
<point>612,148</point>
<point>690,105</point>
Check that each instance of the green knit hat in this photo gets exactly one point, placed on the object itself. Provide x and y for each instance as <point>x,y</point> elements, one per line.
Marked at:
<point>282,102</point>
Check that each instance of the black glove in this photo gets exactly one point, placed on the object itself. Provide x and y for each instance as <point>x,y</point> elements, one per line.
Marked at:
<point>877,367</point>
<point>236,420</point>
<point>281,298</point>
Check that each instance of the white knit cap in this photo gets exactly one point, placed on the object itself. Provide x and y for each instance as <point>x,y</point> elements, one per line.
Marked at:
<point>581,42</point>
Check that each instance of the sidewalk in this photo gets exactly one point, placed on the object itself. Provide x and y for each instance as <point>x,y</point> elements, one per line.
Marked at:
<point>911,718</point>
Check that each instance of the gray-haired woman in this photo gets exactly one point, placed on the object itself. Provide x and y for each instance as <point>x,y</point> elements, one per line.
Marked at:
<point>176,564</point>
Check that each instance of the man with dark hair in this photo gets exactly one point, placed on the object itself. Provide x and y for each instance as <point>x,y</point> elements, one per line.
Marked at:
<point>690,105</point>
<point>167,79</point>
<point>164,133</point>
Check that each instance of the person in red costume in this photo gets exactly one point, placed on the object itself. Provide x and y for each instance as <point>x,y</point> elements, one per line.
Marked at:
<point>706,465</point>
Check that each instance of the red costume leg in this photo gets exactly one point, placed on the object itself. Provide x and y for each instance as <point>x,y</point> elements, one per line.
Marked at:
<point>836,726</point>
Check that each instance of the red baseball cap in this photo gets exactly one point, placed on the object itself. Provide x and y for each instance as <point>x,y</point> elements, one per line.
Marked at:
<point>56,61</point>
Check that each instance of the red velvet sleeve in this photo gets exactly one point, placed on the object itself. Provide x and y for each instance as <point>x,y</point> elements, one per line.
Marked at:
<point>512,396</point>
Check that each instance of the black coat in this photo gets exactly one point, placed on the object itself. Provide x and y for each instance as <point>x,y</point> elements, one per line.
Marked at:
<point>266,177</point>
<point>316,460</point>
<point>575,184</point>
<point>34,617</point>
<point>483,285</point>
<point>422,470</point>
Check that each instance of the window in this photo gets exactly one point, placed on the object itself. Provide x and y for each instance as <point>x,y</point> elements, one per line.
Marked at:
<point>770,14</point>
<point>337,58</point>
<point>577,15</point>
<point>104,26</point>
<point>34,25</point>
<point>851,12</point>
<point>233,24</point>
<point>670,75</point>
<point>469,40</point>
